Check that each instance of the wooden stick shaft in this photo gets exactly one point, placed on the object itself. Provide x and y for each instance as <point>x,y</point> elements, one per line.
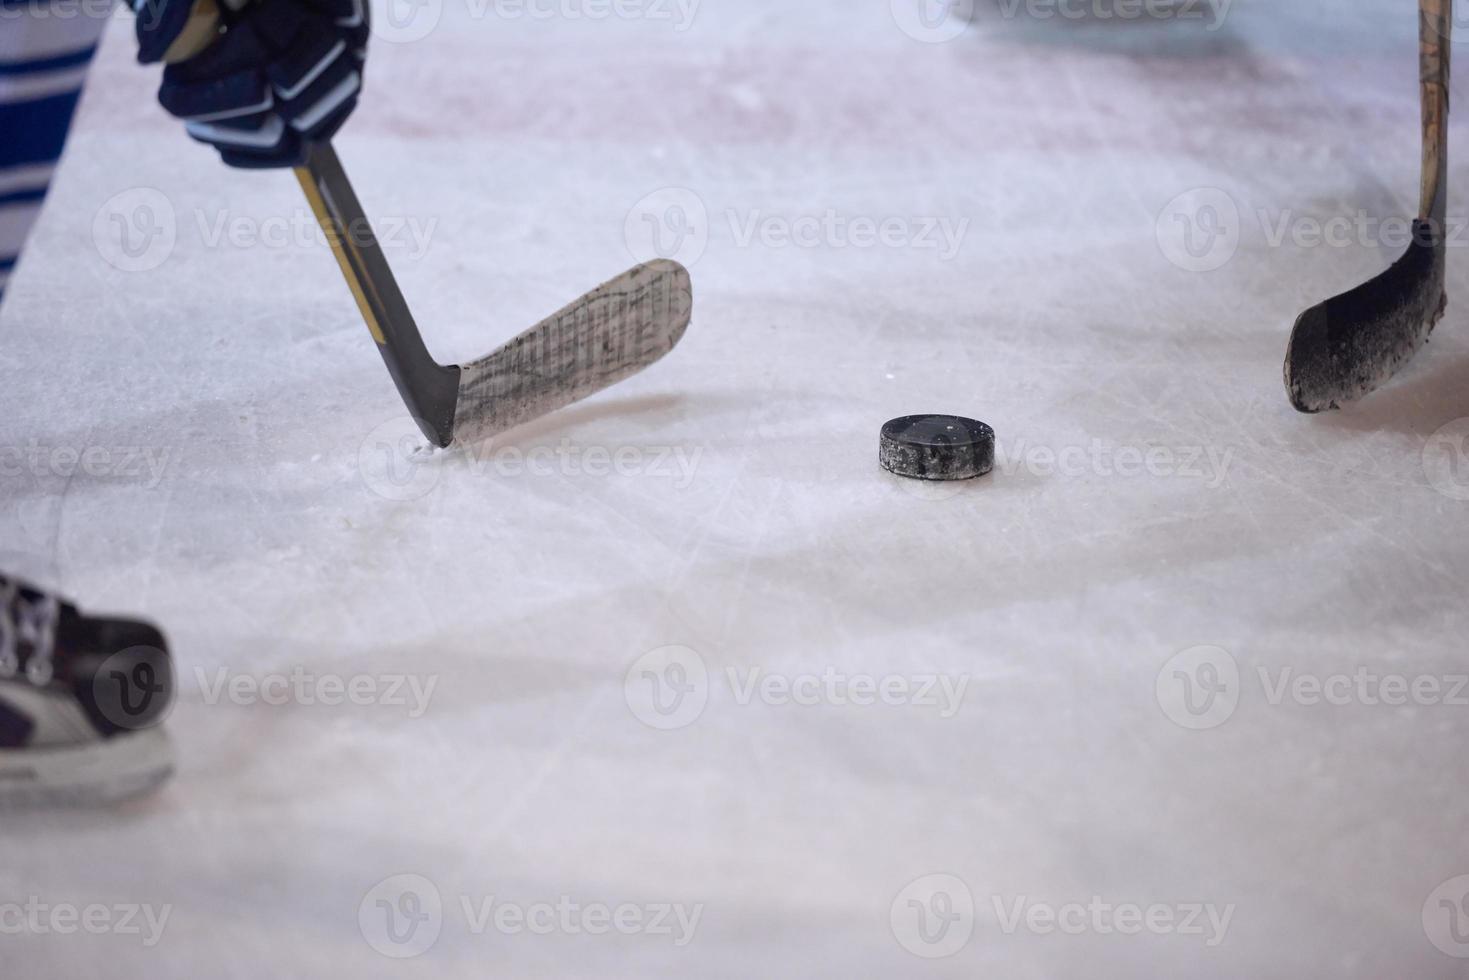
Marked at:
<point>1436,35</point>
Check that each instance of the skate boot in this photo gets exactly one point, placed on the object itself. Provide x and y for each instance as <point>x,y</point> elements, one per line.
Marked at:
<point>82,700</point>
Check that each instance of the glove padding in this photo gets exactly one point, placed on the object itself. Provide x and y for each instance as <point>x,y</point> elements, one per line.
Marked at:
<point>278,75</point>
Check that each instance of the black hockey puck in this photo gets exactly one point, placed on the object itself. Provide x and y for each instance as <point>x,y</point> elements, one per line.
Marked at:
<point>937,447</point>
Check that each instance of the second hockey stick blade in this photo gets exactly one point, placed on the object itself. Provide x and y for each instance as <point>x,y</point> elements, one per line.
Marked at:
<point>1351,344</point>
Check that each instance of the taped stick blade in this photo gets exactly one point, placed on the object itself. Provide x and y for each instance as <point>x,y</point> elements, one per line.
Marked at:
<point>1351,344</point>
<point>609,334</point>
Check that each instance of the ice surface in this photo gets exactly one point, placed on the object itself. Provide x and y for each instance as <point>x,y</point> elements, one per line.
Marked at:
<point>749,522</point>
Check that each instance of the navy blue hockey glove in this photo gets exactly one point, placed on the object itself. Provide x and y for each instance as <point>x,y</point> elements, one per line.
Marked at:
<point>259,82</point>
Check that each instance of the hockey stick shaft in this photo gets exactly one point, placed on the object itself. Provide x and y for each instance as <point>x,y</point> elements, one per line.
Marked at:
<point>1436,23</point>
<point>429,389</point>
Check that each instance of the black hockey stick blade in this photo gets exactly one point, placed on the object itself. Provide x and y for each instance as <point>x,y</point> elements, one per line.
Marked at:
<point>1349,345</point>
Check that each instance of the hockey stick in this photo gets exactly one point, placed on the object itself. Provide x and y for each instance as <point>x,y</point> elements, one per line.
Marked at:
<point>1349,345</point>
<point>613,332</point>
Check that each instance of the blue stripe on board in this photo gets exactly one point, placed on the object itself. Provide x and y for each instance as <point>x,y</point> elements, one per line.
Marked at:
<point>36,130</point>
<point>54,63</point>
<point>31,196</point>
<point>7,264</point>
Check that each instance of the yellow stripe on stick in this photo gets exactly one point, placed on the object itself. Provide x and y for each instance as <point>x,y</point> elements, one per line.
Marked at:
<point>335,238</point>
